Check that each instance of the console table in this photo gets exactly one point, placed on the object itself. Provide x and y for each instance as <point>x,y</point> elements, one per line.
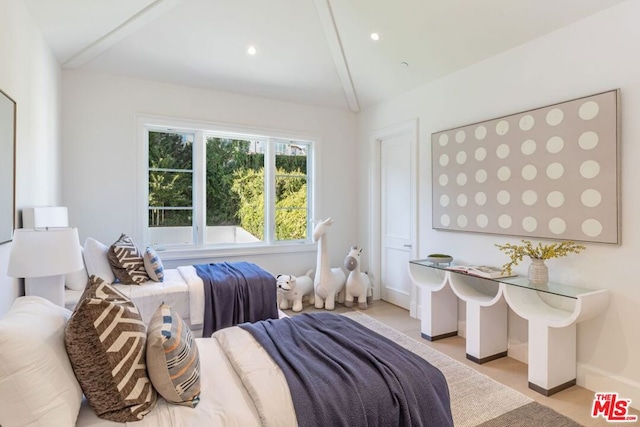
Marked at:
<point>552,328</point>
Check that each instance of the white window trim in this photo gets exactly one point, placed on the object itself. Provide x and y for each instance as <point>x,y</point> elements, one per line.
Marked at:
<point>144,122</point>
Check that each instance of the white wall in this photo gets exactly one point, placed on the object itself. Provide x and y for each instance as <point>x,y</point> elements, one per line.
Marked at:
<point>101,145</point>
<point>31,76</point>
<point>594,55</point>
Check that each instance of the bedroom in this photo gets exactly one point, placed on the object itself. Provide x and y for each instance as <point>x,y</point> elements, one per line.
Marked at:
<point>61,110</point>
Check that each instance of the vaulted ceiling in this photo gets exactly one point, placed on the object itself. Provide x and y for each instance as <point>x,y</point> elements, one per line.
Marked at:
<point>317,52</point>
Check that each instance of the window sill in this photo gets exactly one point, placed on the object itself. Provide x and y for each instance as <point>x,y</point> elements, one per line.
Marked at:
<point>189,253</point>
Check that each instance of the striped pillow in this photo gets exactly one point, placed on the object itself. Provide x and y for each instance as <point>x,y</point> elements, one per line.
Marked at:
<point>106,342</point>
<point>126,261</point>
<point>153,265</point>
<point>173,361</point>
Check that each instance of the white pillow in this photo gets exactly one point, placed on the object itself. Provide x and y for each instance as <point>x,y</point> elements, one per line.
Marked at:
<point>77,281</point>
<point>37,383</point>
<point>97,261</point>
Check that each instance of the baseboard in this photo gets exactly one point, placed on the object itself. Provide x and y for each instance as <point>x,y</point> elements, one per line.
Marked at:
<point>600,381</point>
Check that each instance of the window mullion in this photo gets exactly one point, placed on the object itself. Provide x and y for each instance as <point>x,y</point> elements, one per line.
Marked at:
<point>269,191</point>
<point>199,190</point>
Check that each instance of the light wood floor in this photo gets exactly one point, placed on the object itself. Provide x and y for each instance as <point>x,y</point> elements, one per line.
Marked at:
<point>574,402</point>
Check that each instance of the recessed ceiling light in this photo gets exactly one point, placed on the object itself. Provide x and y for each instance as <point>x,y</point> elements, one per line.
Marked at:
<point>375,36</point>
<point>404,64</point>
<point>252,50</point>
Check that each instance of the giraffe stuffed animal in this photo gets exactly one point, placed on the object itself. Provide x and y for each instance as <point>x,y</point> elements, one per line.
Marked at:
<point>328,281</point>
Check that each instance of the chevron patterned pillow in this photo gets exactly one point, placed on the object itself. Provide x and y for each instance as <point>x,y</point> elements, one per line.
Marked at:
<point>127,262</point>
<point>106,344</point>
<point>173,360</point>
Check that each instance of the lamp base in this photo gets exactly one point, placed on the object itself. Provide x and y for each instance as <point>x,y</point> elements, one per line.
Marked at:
<point>49,287</point>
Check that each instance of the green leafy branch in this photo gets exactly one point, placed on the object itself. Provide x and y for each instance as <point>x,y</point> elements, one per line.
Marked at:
<point>516,253</point>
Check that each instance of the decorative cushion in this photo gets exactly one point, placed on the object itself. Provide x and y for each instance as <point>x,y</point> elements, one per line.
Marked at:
<point>97,261</point>
<point>77,281</point>
<point>106,344</point>
<point>173,361</point>
<point>37,384</point>
<point>153,265</point>
<point>126,261</point>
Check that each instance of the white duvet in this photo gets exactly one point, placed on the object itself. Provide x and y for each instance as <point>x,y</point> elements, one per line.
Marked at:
<point>241,386</point>
<point>182,289</point>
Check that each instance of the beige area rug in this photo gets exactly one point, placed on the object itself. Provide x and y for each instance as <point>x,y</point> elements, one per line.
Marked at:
<point>476,399</point>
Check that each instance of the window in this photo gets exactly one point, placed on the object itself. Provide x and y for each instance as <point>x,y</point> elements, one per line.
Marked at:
<point>207,187</point>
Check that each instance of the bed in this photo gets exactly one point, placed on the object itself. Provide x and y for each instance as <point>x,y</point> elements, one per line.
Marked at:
<point>245,377</point>
<point>201,294</point>
<point>181,288</point>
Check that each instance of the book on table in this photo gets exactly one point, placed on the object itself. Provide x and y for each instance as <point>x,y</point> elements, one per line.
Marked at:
<point>485,271</point>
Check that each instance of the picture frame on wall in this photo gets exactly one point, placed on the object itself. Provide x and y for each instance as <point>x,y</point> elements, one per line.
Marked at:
<point>550,172</point>
<point>7,166</point>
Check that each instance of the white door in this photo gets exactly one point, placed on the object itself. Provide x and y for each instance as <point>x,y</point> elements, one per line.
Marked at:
<point>398,216</point>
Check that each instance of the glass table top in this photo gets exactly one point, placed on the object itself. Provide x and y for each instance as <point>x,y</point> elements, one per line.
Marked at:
<point>520,281</point>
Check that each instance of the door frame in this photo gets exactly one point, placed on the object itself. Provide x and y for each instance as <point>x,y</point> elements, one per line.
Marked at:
<point>409,127</point>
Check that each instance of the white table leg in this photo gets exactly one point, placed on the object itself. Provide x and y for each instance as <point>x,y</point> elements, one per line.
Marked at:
<point>552,357</point>
<point>439,311</point>
<point>486,331</point>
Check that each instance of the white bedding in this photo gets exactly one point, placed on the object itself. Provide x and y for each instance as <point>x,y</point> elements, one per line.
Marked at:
<point>182,289</point>
<point>250,391</point>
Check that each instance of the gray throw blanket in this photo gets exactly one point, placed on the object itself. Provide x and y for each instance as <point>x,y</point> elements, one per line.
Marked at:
<point>342,374</point>
<point>236,292</point>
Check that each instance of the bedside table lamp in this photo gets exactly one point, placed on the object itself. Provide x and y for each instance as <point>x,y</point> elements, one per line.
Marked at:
<point>43,257</point>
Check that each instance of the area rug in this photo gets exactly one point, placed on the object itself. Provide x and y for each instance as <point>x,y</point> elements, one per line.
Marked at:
<point>476,399</point>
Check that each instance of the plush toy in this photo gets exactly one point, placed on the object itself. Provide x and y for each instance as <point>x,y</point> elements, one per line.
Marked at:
<point>358,283</point>
<point>293,289</point>
<point>328,281</point>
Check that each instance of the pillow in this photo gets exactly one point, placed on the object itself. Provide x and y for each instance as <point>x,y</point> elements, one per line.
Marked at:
<point>173,361</point>
<point>153,265</point>
<point>126,261</point>
<point>37,384</point>
<point>77,281</point>
<point>97,261</point>
<point>106,342</point>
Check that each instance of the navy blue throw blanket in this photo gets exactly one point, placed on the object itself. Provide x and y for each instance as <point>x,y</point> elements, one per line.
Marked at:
<point>341,373</point>
<point>236,292</point>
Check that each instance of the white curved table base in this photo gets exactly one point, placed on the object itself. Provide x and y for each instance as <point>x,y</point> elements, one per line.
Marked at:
<point>552,331</point>
<point>486,331</point>
<point>439,311</point>
<point>552,358</point>
<point>552,335</point>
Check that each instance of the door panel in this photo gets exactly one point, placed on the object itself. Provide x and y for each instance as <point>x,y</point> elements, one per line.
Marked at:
<point>397,205</point>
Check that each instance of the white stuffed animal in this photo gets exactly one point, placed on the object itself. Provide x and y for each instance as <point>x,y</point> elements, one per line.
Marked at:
<point>328,282</point>
<point>292,288</point>
<point>358,283</point>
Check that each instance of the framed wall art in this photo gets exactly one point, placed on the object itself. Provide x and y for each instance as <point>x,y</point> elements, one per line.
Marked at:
<point>551,172</point>
<point>7,166</point>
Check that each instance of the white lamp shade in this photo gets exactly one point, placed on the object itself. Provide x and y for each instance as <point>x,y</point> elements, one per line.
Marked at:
<point>42,253</point>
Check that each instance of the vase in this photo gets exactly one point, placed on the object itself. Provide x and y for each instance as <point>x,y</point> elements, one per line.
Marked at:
<point>538,272</point>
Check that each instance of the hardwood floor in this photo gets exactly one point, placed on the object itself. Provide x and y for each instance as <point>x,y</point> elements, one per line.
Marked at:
<point>574,402</point>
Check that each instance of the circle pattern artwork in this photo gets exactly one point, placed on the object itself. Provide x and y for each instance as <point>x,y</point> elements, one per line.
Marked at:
<point>528,147</point>
<point>555,117</point>
<point>481,133</point>
<point>588,140</point>
<point>549,172</point>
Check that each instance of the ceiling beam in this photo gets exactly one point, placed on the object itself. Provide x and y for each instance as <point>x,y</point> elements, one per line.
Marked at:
<point>137,21</point>
<point>335,46</point>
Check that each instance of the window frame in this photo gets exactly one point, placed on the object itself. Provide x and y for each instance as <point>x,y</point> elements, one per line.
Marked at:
<point>200,248</point>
